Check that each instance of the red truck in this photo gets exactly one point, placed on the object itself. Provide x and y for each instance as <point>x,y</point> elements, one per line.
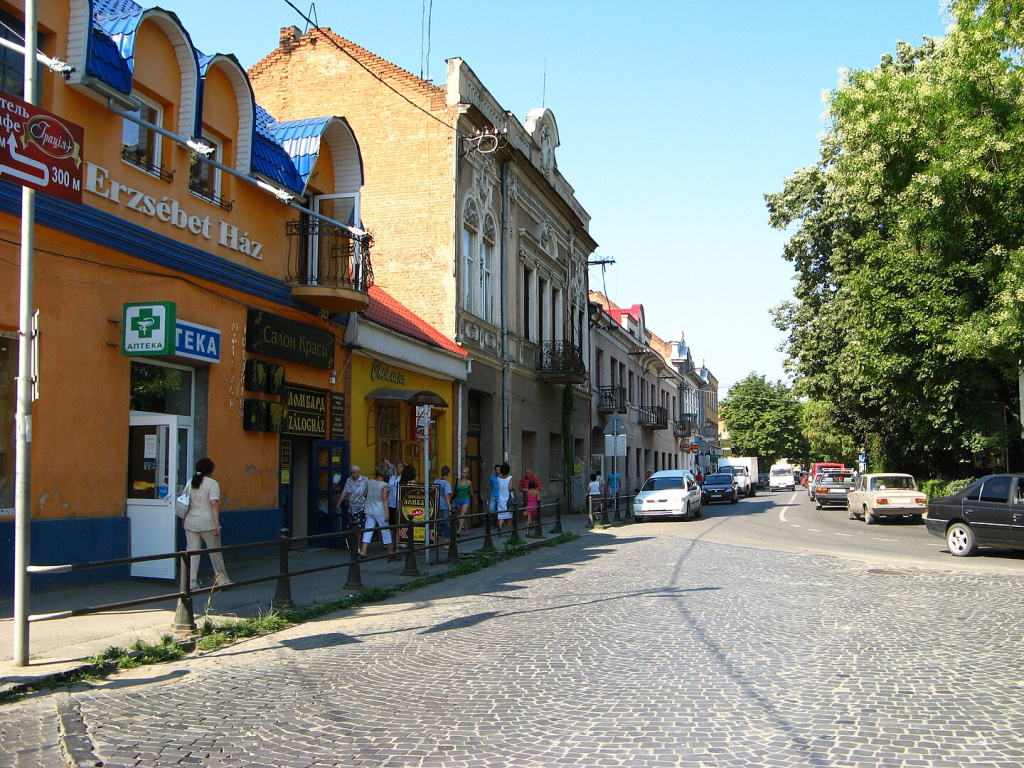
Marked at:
<point>821,466</point>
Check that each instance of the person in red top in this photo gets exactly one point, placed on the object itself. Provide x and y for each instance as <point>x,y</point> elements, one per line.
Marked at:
<point>524,484</point>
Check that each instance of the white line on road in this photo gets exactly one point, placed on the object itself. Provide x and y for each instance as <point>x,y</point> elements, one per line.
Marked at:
<point>782,514</point>
<point>845,534</point>
<point>879,538</point>
<point>816,530</point>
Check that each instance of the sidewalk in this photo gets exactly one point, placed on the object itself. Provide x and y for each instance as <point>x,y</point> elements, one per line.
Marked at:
<point>61,645</point>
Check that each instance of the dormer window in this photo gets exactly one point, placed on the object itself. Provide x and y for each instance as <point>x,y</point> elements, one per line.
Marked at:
<point>204,180</point>
<point>140,145</point>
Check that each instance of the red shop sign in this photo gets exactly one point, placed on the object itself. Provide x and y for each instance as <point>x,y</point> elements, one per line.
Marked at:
<point>40,150</point>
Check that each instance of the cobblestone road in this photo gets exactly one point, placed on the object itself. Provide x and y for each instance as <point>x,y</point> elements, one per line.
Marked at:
<point>631,651</point>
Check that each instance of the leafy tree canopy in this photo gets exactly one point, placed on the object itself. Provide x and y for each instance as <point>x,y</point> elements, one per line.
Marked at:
<point>764,419</point>
<point>907,238</point>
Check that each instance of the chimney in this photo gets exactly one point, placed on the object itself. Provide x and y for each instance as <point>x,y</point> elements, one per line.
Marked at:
<point>289,37</point>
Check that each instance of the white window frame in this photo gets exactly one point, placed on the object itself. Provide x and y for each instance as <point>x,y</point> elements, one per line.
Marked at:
<point>469,241</point>
<point>486,289</point>
<point>215,174</point>
<point>154,161</point>
<point>313,263</point>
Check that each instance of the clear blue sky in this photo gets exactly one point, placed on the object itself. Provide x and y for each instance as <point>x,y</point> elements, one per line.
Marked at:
<point>676,117</point>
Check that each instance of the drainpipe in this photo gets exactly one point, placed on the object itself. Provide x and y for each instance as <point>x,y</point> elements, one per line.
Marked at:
<point>504,311</point>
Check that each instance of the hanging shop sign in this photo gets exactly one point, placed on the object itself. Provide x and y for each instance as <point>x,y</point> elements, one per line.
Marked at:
<point>337,431</point>
<point>40,150</point>
<point>305,411</point>
<point>261,376</point>
<point>274,336</point>
<point>148,329</point>
<point>197,342</point>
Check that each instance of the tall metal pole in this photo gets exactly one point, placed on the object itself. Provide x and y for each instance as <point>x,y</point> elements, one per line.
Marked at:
<point>23,414</point>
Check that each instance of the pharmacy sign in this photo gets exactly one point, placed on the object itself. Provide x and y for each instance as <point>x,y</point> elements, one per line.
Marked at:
<point>148,329</point>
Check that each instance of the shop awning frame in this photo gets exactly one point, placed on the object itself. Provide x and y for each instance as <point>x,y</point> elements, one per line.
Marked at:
<point>409,396</point>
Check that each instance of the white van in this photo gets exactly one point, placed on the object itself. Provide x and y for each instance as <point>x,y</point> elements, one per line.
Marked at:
<point>781,478</point>
<point>670,493</point>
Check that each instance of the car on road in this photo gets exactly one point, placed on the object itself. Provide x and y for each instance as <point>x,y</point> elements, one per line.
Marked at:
<point>886,495</point>
<point>782,478</point>
<point>832,488</point>
<point>987,513</point>
<point>669,493</point>
<point>762,481</point>
<point>720,487</point>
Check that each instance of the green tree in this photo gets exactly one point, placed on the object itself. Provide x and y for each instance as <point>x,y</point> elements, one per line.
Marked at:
<point>907,235</point>
<point>764,419</point>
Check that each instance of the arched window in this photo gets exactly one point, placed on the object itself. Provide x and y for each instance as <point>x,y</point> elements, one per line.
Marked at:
<point>470,227</point>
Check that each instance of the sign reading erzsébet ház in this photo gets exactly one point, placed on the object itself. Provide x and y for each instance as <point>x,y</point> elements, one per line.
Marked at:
<point>40,150</point>
<point>169,210</point>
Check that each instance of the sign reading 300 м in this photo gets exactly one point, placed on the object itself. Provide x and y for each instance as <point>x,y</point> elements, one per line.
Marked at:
<point>40,150</point>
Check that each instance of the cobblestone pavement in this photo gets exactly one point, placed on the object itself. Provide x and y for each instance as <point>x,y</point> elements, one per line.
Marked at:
<point>611,651</point>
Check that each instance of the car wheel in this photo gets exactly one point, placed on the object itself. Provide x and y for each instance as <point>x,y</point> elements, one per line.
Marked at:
<point>850,513</point>
<point>961,540</point>
<point>700,511</point>
<point>687,515</point>
<point>734,499</point>
<point>817,505</point>
<point>753,492</point>
<point>638,518</point>
<point>918,519</point>
<point>869,517</point>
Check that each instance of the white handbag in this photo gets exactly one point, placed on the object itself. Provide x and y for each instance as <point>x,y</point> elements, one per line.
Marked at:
<point>184,499</point>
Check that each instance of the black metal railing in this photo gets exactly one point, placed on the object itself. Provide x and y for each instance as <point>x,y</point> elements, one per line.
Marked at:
<point>611,399</point>
<point>653,417</point>
<point>324,254</point>
<point>561,361</point>
<point>201,189</point>
<point>140,159</point>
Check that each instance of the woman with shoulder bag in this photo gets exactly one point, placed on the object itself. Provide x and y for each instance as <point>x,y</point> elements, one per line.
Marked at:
<point>202,522</point>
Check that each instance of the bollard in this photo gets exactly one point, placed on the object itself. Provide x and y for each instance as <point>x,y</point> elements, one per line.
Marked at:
<point>514,535</point>
<point>536,531</point>
<point>410,553</point>
<point>355,580</point>
<point>488,545</point>
<point>604,513</point>
<point>590,511</point>
<point>558,517</point>
<point>453,547</point>
<point>283,597</point>
<point>629,509</point>
<point>618,517</point>
<point>184,618</point>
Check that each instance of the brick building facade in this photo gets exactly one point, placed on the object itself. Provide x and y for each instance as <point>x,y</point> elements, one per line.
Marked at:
<point>475,230</point>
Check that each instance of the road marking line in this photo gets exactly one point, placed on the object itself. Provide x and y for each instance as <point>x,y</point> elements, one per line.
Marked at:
<point>794,525</point>
<point>816,530</point>
<point>845,534</point>
<point>782,514</point>
<point>879,538</point>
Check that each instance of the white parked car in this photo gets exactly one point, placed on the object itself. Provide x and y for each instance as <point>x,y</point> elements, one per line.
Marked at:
<point>886,495</point>
<point>670,493</point>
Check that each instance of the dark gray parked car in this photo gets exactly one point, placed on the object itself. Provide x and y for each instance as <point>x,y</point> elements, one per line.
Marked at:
<point>987,513</point>
<point>719,487</point>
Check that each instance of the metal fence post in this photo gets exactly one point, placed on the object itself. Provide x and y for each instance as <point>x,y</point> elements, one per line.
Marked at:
<point>411,569</point>
<point>488,545</point>
<point>355,580</point>
<point>618,517</point>
<point>629,509</point>
<point>514,536</point>
<point>184,618</point>
<point>558,517</point>
<point>283,596</point>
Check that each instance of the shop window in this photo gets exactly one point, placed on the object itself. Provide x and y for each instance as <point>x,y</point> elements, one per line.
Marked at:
<point>161,389</point>
<point>140,146</point>
<point>389,421</point>
<point>8,410</point>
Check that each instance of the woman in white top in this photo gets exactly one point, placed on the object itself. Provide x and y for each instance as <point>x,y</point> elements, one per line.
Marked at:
<point>202,522</point>
<point>376,511</point>
<point>504,494</point>
<point>596,492</point>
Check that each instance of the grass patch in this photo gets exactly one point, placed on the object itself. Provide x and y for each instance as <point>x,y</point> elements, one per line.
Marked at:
<point>214,633</point>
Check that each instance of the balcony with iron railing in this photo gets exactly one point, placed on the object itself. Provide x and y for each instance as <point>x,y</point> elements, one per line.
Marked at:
<point>328,266</point>
<point>611,399</point>
<point>653,417</point>
<point>560,362</point>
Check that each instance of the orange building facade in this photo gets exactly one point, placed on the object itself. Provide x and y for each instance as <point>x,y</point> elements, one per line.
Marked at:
<point>257,260</point>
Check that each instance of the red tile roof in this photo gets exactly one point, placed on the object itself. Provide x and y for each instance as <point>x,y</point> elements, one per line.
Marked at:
<point>387,311</point>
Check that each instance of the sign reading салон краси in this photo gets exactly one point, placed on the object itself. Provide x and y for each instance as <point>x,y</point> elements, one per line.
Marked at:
<point>284,339</point>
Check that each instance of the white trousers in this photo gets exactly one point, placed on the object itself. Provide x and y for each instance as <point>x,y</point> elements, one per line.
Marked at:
<point>376,521</point>
<point>194,540</point>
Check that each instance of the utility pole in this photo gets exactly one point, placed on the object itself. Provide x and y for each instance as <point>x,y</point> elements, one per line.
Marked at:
<point>23,414</point>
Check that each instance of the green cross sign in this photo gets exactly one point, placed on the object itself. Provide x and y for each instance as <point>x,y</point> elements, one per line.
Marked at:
<point>148,329</point>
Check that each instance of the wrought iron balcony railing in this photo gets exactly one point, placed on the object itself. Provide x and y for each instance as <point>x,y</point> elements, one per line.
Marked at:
<point>611,399</point>
<point>653,417</point>
<point>561,361</point>
<point>328,267</point>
